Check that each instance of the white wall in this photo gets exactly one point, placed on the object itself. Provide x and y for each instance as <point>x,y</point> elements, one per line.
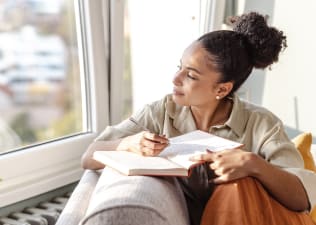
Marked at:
<point>288,89</point>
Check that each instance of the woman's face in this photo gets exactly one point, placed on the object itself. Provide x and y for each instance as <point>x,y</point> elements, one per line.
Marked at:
<point>196,81</point>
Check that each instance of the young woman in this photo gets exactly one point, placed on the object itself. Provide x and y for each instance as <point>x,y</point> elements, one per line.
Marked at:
<point>211,70</point>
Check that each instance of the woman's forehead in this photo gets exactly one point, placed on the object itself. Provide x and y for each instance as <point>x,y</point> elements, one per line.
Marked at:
<point>196,54</point>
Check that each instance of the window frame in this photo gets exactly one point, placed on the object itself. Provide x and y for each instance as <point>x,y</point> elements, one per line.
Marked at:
<point>38,169</point>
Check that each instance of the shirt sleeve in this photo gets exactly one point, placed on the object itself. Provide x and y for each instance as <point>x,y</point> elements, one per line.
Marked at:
<point>150,116</point>
<point>308,179</point>
<point>280,151</point>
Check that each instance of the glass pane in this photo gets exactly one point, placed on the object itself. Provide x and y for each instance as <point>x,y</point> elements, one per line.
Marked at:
<point>40,96</point>
<point>156,34</point>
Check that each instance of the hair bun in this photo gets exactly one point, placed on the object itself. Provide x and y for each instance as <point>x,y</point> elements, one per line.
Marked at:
<point>265,43</point>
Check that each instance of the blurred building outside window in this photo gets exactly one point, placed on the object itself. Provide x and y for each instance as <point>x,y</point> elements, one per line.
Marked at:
<point>40,96</point>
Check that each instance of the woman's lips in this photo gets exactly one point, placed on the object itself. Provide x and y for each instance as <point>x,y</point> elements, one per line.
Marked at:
<point>176,92</point>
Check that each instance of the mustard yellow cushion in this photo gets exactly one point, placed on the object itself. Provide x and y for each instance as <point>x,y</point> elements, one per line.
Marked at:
<point>313,214</point>
<point>303,143</point>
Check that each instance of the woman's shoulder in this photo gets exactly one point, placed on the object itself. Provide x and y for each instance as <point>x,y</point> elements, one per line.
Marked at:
<point>157,108</point>
<point>166,102</point>
<point>160,105</point>
<point>258,112</point>
<point>166,107</point>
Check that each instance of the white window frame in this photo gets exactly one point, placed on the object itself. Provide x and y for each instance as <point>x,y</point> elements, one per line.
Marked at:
<point>117,59</point>
<point>212,13</point>
<point>36,170</point>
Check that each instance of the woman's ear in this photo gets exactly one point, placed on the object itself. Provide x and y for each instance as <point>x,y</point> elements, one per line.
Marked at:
<point>224,89</point>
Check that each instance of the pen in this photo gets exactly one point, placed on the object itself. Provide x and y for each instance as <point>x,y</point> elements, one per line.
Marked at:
<point>138,124</point>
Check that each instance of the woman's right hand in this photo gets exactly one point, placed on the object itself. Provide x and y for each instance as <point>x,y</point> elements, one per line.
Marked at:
<point>144,143</point>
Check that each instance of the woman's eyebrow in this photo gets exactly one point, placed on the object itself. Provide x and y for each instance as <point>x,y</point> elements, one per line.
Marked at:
<point>193,69</point>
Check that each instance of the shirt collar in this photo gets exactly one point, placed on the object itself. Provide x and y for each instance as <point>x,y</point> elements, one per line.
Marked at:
<point>238,117</point>
<point>184,122</point>
<point>182,117</point>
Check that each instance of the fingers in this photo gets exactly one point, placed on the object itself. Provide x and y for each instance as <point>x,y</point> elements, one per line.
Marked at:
<point>152,144</point>
<point>156,138</point>
<point>220,169</point>
<point>219,165</point>
<point>223,179</point>
<point>149,144</point>
<point>208,157</point>
<point>230,165</point>
<point>150,152</point>
<point>144,151</point>
<point>228,176</point>
<point>157,146</point>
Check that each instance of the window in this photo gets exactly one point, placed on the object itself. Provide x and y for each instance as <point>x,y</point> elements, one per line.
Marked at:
<point>155,36</point>
<point>40,92</point>
<point>53,91</point>
<point>156,33</point>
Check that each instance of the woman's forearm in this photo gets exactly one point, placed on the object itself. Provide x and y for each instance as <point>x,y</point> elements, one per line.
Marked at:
<point>283,186</point>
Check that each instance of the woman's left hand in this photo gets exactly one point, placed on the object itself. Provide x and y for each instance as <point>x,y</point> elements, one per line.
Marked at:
<point>230,164</point>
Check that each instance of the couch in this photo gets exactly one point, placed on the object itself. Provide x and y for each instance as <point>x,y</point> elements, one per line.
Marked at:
<point>111,198</point>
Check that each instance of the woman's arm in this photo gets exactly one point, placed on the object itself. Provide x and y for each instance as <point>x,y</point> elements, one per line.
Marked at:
<point>143,143</point>
<point>234,164</point>
<point>282,185</point>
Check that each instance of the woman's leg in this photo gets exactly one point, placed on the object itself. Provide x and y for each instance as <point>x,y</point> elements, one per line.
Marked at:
<point>197,190</point>
<point>245,202</point>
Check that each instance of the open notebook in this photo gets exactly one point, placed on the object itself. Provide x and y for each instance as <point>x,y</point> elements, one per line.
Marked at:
<point>174,160</point>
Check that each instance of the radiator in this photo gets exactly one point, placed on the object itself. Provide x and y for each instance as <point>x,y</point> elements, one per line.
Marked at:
<point>45,213</point>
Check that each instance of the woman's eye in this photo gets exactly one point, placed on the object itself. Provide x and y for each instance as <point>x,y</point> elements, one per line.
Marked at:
<point>191,77</point>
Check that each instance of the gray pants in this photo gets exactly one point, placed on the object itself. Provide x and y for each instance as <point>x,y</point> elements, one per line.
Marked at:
<point>197,191</point>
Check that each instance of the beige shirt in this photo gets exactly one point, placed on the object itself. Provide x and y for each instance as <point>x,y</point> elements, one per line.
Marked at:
<point>257,128</point>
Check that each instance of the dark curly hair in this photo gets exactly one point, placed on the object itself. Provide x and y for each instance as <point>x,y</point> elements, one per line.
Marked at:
<point>251,44</point>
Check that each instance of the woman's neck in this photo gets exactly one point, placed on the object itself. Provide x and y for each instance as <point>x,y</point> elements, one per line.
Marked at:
<point>210,116</point>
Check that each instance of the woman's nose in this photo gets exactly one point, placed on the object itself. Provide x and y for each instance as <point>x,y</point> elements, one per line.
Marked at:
<point>177,79</point>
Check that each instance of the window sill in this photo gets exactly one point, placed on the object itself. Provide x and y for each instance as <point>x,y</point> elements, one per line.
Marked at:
<point>40,169</point>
